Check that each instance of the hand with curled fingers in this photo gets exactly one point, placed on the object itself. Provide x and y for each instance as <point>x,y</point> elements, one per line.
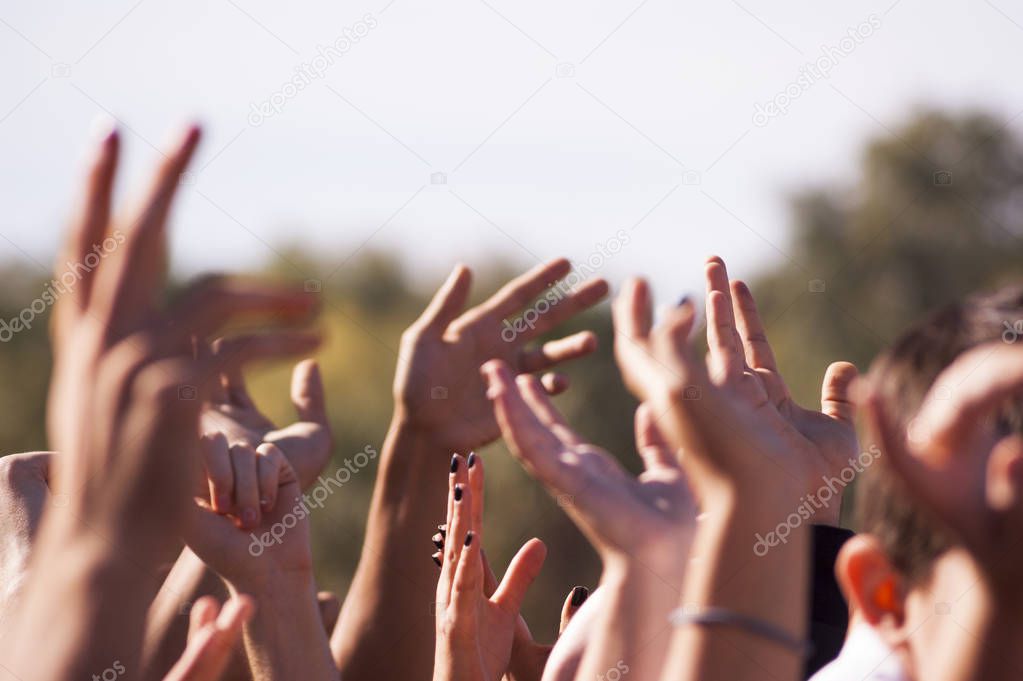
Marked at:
<point>232,411</point>
<point>475,631</point>
<point>733,411</point>
<point>271,535</point>
<point>267,555</point>
<point>437,386</point>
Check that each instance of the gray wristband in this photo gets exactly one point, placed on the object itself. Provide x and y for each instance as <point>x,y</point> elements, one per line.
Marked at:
<point>720,616</point>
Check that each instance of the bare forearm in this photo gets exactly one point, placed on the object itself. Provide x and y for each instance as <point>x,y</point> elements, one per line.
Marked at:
<point>285,639</point>
<point>727,574</point>
<point>386,628</point>
<point>167,622</point>
<point>80,613</point>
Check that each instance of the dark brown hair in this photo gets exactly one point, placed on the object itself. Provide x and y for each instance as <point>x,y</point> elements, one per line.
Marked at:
<point>903,375</point>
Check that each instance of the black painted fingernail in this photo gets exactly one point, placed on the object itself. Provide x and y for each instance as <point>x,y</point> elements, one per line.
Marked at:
<point>468,538</point>
<point>472,459</point>
<point>458,492</point>
<point>438,540</point>
<point>436,558</point>
<point>684,300</point>
<point>454,464</point>
<point>579,595</point>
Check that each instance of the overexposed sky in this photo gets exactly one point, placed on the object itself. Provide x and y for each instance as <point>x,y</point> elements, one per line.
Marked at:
<point>552,125</point>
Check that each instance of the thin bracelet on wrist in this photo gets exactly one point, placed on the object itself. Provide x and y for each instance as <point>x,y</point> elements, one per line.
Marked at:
<point>686,616</point>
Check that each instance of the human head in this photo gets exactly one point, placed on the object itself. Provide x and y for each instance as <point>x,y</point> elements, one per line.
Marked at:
<point>904,575</point>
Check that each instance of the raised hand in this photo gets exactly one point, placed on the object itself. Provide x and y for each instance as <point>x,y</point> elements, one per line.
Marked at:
<point>475,630</point>
<point>642,527</point>
<point>123,411</point>
<point>212,634</point>
<point>734,409</point>
<point>111,341</point>
<point>232,411</point>
<point>256,548</point>
<point>440,408</point>
<point>528,658</point>
<point>437,386</point>
<point>649,518</point>
<point>270,558</point>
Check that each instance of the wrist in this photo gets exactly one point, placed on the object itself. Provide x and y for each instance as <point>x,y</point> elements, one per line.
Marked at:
<point>427,437</point>
<point>273,581</point>
<point>664,558</point>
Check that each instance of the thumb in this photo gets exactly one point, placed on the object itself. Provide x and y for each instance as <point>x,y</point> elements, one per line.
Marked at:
<point>524,568</point>
<point>836,400</point>
<point>307,392</point>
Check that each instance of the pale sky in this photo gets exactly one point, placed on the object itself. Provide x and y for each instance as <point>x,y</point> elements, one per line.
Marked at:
<point>556,125</point>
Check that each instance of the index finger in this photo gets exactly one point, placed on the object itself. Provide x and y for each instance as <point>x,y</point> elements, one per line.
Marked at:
<point>521,290</point>
<point>90,225</point>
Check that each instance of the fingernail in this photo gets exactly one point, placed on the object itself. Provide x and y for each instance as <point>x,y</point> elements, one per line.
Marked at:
<point>684,300</point>
<point>443,528</point>
<point>249,517</point>
<point>438,540</point>
<point>468,538</point>
<point>436,558</point>
<point>472,459</point>
<point>579,595</point>
<point>454,464</point>
<point>458,492</point>
<point>264,503</point>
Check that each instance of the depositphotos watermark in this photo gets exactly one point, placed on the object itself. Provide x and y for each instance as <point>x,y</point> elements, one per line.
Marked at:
<point>316,68</point>
<point>63,284</point>
<point>315,498</point>
<point>115,671</point>
<point>615,673</point>
<point>582,270</point>
<point>811,503</point>
<point>812,72</point>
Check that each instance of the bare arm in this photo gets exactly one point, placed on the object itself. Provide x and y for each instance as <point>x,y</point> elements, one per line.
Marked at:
<point>386,629</point>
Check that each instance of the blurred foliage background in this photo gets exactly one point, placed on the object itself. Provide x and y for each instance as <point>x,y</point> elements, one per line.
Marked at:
<point>936,211</point>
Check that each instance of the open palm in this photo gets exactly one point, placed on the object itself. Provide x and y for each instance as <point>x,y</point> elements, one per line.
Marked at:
<point>438,387</point>
<point>736,402</point>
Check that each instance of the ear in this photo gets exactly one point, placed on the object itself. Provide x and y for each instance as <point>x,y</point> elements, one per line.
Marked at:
<point>873,588</point>
<point>1005,475</point>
